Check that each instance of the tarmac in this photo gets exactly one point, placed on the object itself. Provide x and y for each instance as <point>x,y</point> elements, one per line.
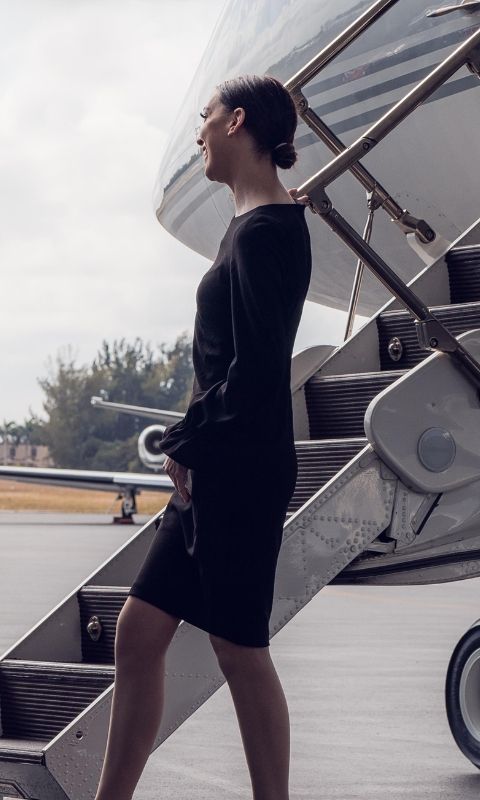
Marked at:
<point>363,670</point>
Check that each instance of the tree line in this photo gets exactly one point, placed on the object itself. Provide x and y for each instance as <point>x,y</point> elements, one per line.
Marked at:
<point>80,436</point>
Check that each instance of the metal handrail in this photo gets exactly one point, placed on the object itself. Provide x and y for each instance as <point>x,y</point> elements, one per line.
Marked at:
<point>408,223</point>
<point>430,331</point>
<point>337,45</point>
<point>365,143</point>
<point>373,203</point>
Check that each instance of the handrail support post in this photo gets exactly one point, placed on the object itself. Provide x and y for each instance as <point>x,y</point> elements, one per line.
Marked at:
<point>408,224</point>
<point>431,333</point>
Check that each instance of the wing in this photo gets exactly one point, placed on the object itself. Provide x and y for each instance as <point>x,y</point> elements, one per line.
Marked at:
<point>88,479</point>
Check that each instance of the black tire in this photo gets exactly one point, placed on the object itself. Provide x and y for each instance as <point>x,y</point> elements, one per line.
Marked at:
<point>462,694</point>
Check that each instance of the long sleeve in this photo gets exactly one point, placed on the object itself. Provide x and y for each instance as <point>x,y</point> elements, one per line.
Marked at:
<point>224,419</point>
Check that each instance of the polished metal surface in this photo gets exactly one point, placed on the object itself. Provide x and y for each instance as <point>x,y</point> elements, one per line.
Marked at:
<point>431,333</point>
<point>337,45</point>
<point>357,281</point>
<point>354,90</point>
<point>392,118</point>
<point>395,348</point>
<point>457,318</point>
<point>94,628</point>
<point>406,221</point>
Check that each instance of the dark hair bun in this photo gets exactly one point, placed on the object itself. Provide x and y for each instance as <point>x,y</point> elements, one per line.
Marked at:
<point>270,114</point>
<point>284,155</point>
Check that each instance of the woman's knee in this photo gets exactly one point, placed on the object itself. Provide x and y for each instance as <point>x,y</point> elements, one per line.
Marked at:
<point>143,631</point>
<point>232,657</point>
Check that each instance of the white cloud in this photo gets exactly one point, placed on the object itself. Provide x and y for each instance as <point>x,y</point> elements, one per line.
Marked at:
<point>89,92</point>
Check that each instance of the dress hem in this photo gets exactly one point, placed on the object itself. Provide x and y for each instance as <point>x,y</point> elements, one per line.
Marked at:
<point>211,629</point>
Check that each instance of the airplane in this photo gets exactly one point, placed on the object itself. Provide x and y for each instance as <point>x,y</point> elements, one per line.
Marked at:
<point>352,91</point>
<point>127,485</point>
<point>386,424</point>
<point>359,85</point>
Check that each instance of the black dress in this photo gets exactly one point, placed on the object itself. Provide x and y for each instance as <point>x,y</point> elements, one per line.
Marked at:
<point>213,559</point>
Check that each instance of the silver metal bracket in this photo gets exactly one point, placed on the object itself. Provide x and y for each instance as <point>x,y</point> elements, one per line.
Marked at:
<point>433,336</point>
<point>410,224</point>
<point>320,200</point>
<point>473,63</point>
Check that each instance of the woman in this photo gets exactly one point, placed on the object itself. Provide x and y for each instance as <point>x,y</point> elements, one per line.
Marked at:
<point>231,458</point>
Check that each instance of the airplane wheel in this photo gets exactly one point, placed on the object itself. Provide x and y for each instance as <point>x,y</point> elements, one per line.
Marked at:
<point>462,694</point>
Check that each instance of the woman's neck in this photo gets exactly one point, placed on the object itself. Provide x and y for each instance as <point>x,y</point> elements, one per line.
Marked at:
<point>257,188</point>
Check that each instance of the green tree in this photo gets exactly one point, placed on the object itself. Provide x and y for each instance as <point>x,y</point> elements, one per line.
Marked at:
<point>83,437</point>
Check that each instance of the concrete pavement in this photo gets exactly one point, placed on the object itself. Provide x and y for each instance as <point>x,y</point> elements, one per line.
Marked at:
<point>363,670</point>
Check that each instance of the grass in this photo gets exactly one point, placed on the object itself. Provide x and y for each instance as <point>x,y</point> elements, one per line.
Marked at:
<point>16,496</point>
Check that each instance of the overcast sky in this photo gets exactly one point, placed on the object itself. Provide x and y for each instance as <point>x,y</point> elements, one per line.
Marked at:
<point>89,92</point>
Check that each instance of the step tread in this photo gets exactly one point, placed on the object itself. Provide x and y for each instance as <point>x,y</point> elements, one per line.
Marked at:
<point>51,667</point>
<point>392,374</point>
<point>26,751</point>
<point>455,308</point>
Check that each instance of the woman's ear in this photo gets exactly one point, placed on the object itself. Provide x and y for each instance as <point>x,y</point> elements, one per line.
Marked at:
<point>237,120</point>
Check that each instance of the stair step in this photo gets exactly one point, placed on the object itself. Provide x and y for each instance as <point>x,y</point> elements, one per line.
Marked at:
<point>318,462</point>
<point>457,318</point>
<point>25,751</point>
<point>38,699</point>
<point>337,403</point>
<point>464,273</point>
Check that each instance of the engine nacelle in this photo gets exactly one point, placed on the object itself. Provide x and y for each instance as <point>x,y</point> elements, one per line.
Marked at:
<point>149,449</point>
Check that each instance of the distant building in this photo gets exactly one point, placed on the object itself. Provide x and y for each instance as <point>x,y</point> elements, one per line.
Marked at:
<point>25,455</point>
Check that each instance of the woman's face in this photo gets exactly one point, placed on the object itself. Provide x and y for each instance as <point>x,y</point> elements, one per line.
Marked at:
<point>214,140</point>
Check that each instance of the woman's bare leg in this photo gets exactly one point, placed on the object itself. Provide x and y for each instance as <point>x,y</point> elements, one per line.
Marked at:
<point>262,714</point>
<point>144,633</point>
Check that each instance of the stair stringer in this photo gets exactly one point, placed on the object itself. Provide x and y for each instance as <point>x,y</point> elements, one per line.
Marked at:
<point>57,636</point>
<point>320,539</point>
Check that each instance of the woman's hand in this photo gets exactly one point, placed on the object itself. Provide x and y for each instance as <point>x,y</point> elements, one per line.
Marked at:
<point>178,473</point>
<point>304,199</point>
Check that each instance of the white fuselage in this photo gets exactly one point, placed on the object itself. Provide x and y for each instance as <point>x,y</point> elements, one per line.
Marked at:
<point>429,164</point>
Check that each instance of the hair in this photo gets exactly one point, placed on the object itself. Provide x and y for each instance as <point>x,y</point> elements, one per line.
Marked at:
<point>270,114</point>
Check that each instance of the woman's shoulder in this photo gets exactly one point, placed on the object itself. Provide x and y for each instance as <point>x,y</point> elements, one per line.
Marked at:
<point>268,221</point>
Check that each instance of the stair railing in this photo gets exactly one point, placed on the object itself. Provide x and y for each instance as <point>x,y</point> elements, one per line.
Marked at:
<point>373,202</point>
<point>408,224</point>
<point>431,333</point>
<point>377,195</point>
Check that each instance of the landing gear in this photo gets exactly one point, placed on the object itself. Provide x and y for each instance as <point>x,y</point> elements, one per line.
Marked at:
<point>129,506</point>
<point>462,694</point>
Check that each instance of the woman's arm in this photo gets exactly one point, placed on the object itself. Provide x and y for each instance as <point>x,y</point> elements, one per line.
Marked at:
<point>221,418</point>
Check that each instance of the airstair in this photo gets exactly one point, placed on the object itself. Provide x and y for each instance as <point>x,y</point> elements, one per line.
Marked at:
<point>388,446</point>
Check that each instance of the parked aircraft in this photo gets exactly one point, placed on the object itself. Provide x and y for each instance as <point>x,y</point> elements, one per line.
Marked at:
<point>387,425</point>
<point>125,484</point>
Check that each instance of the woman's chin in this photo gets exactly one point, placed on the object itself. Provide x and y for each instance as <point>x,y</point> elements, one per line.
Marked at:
<point>209,172</point>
